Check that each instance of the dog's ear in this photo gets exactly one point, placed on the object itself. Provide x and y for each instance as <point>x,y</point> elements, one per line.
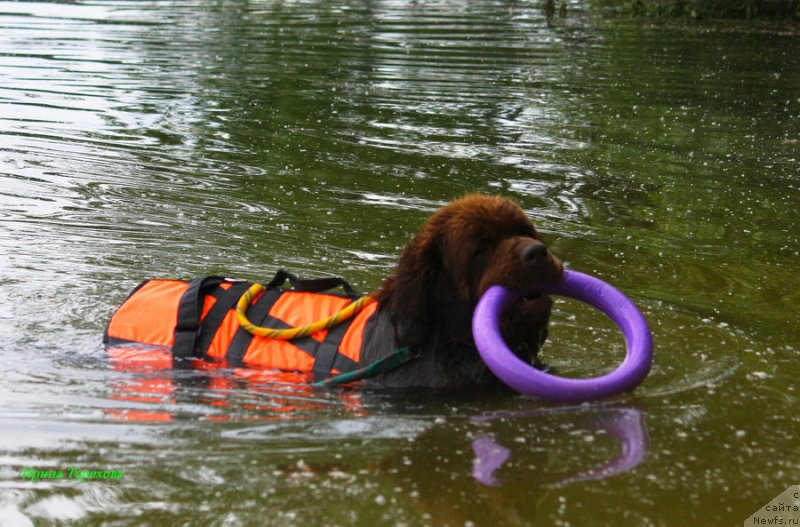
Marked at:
<point>409,296</point>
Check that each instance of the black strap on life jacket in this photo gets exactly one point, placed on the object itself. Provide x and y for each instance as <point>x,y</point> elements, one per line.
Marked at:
<point>193,337</point>
<point>257,313</point>
<point>226,299</point>
<point>190,308</point>
<point>327,357</point>
<point>316,285</point>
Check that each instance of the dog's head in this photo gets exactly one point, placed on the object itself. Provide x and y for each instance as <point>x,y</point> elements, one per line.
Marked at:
<point>462,250</point>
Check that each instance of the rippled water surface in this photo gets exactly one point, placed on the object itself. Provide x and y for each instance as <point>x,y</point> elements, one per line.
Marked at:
<point>142,139</point>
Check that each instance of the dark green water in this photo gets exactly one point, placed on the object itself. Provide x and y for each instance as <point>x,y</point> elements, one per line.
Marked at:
<point>142,139</point>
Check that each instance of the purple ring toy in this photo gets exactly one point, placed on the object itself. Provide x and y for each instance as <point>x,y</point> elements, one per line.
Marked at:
<point>527,380</point>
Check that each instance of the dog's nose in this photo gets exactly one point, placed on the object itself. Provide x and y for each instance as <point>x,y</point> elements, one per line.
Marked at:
<point>533,253</point>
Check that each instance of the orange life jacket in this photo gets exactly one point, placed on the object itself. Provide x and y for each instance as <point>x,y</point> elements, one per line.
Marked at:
<point>197,318</point>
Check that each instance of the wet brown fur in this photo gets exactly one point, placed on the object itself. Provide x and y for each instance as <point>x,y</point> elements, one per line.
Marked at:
<point>463,249</point>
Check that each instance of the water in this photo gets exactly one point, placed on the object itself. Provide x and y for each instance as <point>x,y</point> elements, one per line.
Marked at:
<point>142,139</point>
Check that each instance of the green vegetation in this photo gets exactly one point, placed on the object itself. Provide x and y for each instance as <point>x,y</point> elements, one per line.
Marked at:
<point>708,9</point>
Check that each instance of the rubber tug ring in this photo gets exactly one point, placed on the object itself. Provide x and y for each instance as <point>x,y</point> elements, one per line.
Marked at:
<point>299,332</point>
<point>527,380</point>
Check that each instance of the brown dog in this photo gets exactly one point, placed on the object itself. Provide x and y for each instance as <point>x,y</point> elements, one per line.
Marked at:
<point>427,305</point>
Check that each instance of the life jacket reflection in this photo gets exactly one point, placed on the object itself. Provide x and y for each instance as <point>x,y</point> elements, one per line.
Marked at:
<point>198,319</point>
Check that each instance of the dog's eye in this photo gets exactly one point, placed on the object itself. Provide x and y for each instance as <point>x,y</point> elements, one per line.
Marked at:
<point>480,259</point>
<point>481,250</point>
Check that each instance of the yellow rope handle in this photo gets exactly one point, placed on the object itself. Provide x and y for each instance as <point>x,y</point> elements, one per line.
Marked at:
<point>294,333</point>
